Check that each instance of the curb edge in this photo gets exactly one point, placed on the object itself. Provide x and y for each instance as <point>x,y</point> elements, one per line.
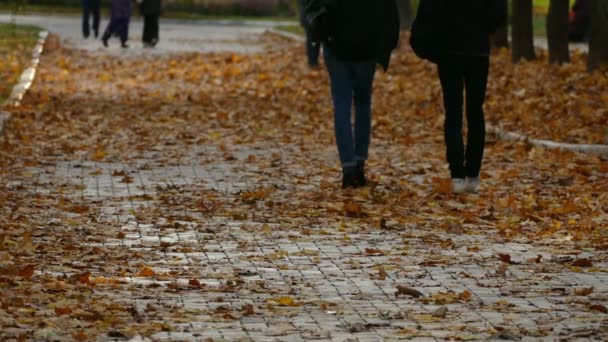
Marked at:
<point>25,81</point>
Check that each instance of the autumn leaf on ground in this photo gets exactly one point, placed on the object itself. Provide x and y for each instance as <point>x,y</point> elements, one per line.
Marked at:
<point>407,291</point>
<point>146,272</point>
<point>27,272</point>
<point>285,301</point>
<point>583,262</point>
<point>442,185</point>
<point>352,209</point>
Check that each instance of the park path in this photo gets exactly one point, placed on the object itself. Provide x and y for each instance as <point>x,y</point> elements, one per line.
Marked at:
<point>176,36</point>
<point>188,197</point>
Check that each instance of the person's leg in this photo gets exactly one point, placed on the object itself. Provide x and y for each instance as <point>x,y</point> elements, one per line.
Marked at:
<point>110,30</point>
<point>86,11</point>
<point>452,84</point>
<point>124,31</point>
<point>155,29</point>
<point>312,50</point>
<point>96,15</point>
<point>342,96</point>
<point>146,39</point>
<point>476,80</point>
<point>362,92</point>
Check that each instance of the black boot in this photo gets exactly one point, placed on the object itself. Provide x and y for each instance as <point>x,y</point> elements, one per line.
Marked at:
<point>104,40</point>
<point>360,173</point>
<point>348,177</point>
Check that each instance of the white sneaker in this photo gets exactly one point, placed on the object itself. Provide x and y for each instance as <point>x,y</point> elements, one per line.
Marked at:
<point>472,184</point>
<point>459,185</point>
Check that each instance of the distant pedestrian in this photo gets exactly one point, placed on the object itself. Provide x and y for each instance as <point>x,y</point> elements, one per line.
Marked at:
<point>456,36</point>
<point>580,19</point>
<point>120,17</point>
<point>362,33</point>
<point>90,8</point>
<point>151,10</point>
<point>313,49</point>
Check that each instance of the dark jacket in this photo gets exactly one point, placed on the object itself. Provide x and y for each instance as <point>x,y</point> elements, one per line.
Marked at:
<point>120,9</point>
<point>470,23</point>
<point>363,30</point>
<point>151,7</point>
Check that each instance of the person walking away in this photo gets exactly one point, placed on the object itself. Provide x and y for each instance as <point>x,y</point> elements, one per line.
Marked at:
<point>362,34</point>
<point>463,67</point>
<point>313,49</point>
<point>580,19</point>
<point>120,16</point>
<point>90,8</point>
<point>151,10</point>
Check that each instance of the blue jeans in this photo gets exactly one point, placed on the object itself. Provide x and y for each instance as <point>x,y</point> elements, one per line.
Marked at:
<point>90,8</point>
<point>351,81</point>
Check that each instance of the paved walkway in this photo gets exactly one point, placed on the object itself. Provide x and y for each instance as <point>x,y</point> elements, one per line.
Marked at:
<point>218,218</point>
<point>176,36</point>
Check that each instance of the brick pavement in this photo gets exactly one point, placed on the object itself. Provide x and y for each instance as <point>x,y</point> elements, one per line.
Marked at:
<point>227,251</point>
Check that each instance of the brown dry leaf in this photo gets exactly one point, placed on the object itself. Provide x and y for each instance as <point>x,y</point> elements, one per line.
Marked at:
<point>465,296</point>
<point>584,291</point>
<point>62,311</point>
<point>442,185</point>
<point>598,308</point>
<point>146,272</point>
<point>99,154</point>
<point>407,291</point>
<point>583,262</point>
<point>285,301</point>
<point>506,258</point>
<point>352,209</point>
<point>382,274</point>
<point>194,283</point>
<point>27,272</point>
<point>248,310</point>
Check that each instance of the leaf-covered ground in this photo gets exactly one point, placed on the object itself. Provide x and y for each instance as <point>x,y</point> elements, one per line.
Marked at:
<point>16,44</point>
<point>193,196</point>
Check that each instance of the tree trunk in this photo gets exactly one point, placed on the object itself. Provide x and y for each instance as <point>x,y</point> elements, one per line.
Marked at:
<point>500,39</point>
<point>557,31</point>
<point>523,33</point>
<point>598,43</point>
<point>406,13</point>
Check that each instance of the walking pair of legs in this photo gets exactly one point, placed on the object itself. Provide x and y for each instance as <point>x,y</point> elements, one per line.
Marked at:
<point>118,27</point>
<point>90,8</point>
<point>351,82</point>
<point>457,74</point>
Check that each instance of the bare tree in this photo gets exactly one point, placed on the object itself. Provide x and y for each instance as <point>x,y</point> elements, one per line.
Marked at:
<point>500,38</point>
<point>557,31</point>
<point>406,13</point>
<point>522,31</point>
<point>598,43</point>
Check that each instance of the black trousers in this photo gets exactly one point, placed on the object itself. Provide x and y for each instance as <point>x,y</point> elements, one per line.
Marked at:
<point>150,35</point>
<point>90,8</point>
<point>313,50</point>
<point>457,74</point>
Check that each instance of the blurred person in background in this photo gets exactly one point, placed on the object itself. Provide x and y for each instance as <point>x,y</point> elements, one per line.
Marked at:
<point>90,8</point>
<point>313,48</point>
<point>580,18</point>
<point>151,10</point>
<point>120,17</point>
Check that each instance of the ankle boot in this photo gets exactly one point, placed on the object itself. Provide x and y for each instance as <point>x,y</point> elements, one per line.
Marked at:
<point>348,177</point>
<point>360,173</point>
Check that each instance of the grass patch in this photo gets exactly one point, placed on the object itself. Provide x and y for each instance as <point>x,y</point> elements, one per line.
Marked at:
<point>16,44</point>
